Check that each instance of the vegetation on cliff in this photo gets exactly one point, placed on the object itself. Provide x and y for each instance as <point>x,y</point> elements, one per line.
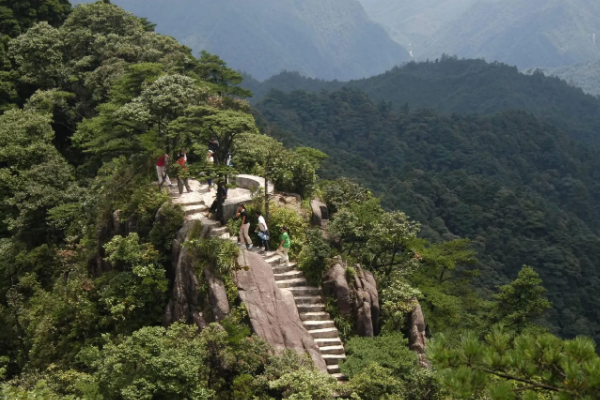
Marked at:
<point>86,239</point>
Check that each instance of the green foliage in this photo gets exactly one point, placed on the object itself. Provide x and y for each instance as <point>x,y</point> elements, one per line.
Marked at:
<point>165,229</point>
<point>297,228</point>
<point>137,295</point>
<point>398,299</point>
<point>516,185</point>
<point>152,362</point>
<point>219,255</point>
<point>389,351</point>
<point>312,260</point>
<point>521,301</point>
<point>343,192</point>
<point>505,366</point>
<point>292,171</point>
<point>305,385</point>
<point>375,382</point>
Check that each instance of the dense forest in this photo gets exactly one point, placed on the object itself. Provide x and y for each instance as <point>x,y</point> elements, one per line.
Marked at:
<point>519,188</point>
<point>450,85</point>
<point>428,241</point>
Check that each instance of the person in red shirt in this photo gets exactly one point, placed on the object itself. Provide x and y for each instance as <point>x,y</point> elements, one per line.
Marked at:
<point>161,170</point>
<point>183,173</point>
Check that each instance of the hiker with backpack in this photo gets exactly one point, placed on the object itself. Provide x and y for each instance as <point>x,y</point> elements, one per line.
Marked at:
<point>263,231</point>
<point>284,246</point>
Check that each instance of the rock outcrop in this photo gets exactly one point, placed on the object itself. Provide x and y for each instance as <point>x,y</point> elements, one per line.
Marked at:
<point>272,311</point>
<point>320,213</point>
<point>416,333</point>
<point>185,304</point>
<point>357,299</point>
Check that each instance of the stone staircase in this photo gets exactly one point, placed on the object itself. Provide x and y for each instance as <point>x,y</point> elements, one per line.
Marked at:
<point>311,308</point>
<point>309,299</point>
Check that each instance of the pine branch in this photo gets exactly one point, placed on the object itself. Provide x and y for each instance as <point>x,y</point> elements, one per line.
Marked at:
<point>527,381</point>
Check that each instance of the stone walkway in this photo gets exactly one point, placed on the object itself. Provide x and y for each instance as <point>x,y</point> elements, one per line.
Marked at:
<point>310,301</point>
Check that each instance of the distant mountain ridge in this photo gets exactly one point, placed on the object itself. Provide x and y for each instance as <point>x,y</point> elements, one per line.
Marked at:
<point>585,75</point>
<point>528,34</point>
<point>451,86</point>
<point>333,39</point>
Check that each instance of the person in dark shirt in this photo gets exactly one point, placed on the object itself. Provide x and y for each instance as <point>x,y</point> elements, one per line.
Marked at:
<point>244,236</point>
<point>221,191</point>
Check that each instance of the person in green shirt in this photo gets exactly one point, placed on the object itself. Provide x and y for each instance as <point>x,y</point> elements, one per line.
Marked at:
<point>284,246</point>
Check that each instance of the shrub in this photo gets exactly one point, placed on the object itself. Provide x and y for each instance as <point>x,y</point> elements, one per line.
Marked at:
<point>313,257</point>
<point>298,226</point>
<point>166,227</point>
<point>389,351</point>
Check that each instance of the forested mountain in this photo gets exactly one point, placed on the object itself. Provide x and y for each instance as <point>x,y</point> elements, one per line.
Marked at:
<point>450,85</point>
<point>114,286</point>
<point>518,187</point>
<point>331,39</point>
<point>528,34</point>
<point>585,75</point>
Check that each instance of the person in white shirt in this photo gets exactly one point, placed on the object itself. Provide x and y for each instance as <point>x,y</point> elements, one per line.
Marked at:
<point>263,231</point>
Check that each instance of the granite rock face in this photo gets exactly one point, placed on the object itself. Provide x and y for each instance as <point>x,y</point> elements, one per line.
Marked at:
<point>272,311</point>
<point>358,299</point>
<point>320,213</point>
<point>185,304</point>
<point>416,333</point>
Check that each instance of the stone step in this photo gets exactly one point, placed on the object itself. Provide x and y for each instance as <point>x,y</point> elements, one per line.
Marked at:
<point>190,202</point>
<point>339,376</point>
<point>307,308</point>
<point>309,325</point>
<point>332,350</point>
<point>297,282</point>
<point>315,316</point>
<point>333,359</point>
<point>324,342</point>
<point>288,275</point>
<point>282,269</point>
<point>225,236</point>
<point>324,333</point>
<point>273,260</point>
<point>309,299</point>
<point>217,232</point>
<point>189,210</point>
<point>333,369</point>
<point>305,291</point>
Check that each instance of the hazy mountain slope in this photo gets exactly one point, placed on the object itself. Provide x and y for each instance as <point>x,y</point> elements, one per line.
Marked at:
<point>584,75</point>
<point>467,86</point>
<point>331,39</point>
<point>533,33</point>
<point>412,23</point>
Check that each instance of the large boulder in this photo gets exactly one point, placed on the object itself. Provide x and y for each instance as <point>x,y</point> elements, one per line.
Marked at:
<point>217,295</point>
<point>185,304</point>
<point>357,299</point>
<point>320,213</point>
<point>416,333</point>
<point>272,311</point>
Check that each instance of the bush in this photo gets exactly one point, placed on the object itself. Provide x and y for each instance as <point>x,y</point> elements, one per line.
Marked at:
<point>313,257</point>
<point>375,382</point>
<point>279,217</point>
<point>389,351</point>
<point>165,229</point>
<point>152,363</point>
